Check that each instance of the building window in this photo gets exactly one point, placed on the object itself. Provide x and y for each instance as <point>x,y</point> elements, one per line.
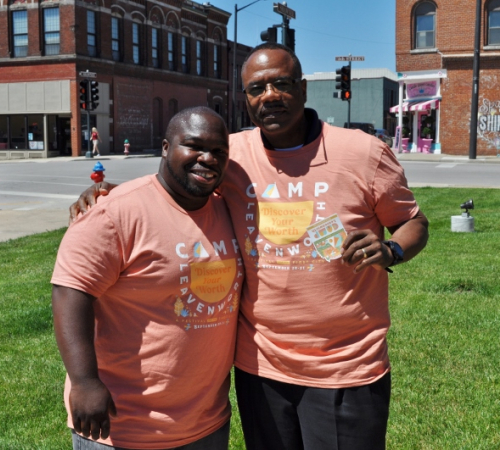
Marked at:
<point>199,58</point>
<point>136,41</point>
<point>154,48</point>
<point>425,25</point>
<point>115,38</point>
<point>51,31</point>
<point>494,22</point>
<point>91,34</point>
<point>217,62</point>
<point>173,108</point>
<point>185,54</point>
<point>20,33</point>
<point>171,50</point>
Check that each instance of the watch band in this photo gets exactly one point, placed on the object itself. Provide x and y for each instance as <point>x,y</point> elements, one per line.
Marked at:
<point>397,252</point>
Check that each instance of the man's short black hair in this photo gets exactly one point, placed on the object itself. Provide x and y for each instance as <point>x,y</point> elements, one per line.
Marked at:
<point>183,116</point>
<point>274,46</point>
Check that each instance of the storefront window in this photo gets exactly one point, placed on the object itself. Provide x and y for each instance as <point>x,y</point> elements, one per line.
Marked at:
<point>18,132</point>
<point>35,132</point>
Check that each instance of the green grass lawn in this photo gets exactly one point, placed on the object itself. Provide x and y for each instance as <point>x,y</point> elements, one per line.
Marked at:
<point>444,340</point>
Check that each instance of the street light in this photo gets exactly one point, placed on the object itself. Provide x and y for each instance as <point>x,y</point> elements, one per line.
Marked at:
<point>235,70</point>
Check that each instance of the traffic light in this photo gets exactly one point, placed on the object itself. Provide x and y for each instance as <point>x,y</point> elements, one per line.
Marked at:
<point>343,80</point>
<point>290,39</point>
<point>270,35</point>
<point>94,91</point>
<point>84,95</point>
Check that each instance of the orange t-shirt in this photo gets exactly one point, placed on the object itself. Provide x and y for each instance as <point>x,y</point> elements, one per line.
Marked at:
<point>304,320</point>
<point>167,283</point>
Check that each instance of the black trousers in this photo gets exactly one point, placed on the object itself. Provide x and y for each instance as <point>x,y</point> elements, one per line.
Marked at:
<point>282,416</point>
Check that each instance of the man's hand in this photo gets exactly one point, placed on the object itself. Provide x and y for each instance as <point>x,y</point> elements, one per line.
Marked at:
<point>363,248</point>
<point>91,405</point>
<point>88,198</point>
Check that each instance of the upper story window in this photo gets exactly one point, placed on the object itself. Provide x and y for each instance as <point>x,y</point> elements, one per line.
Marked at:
<point>91,33</point>
<point>199,58</point>
<point>20,33</point>
<point>425,25</point>
<point>136,43</point>
<point>185,54</point>
<point>494,22</point>
<point>51,31</point>
<point>155,57</point>
<point>115,38</point>
<point>171,51</point>
<point>217,61</point>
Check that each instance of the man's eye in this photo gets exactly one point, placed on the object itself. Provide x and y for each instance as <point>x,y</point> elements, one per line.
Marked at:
<point>255,90</point>
<point>282,85</point>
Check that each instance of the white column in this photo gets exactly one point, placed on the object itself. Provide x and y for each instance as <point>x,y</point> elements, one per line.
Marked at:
<point>45,136</point>
<point>437,147</point>
<point>400,115</point>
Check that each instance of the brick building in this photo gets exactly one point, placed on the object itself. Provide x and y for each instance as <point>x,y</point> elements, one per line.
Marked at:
<point>435,48</point>
<point>151,59</point>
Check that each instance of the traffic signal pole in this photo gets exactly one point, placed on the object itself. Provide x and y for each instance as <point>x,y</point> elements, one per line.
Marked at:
<point>349,99</point>
<point>89,152</point>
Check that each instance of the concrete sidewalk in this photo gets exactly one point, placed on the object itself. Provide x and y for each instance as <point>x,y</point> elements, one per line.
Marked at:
<point>15,224</point>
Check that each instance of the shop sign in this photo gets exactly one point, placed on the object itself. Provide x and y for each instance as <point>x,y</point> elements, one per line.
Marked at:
<point>425,89</point>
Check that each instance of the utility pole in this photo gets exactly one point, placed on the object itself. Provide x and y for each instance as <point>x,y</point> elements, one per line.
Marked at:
<point>475,85</point>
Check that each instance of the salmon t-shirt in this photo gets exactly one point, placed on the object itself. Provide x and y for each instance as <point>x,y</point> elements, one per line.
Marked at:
<point>305,319</point>
<point>167,283</point>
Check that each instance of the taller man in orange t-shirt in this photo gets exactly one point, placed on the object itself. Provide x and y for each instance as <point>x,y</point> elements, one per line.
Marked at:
<point>312,367</point>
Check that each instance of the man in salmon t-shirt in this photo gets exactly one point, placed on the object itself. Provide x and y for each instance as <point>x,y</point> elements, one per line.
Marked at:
<point>309,203</point>
<point>145,311</point>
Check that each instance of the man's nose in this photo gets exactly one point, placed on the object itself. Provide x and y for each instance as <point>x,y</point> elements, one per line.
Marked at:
<point>270,88</point>
<point>207,157</point>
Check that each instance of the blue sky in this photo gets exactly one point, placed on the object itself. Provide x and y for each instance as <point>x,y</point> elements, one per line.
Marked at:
<point>324,29</point>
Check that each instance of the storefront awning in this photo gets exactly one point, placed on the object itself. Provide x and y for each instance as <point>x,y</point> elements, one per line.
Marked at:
<point>417,106</point>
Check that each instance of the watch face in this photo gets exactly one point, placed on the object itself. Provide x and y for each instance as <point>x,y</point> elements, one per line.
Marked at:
<point>397,252</point>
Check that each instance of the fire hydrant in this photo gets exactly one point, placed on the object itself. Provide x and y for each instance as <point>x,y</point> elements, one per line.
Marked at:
<point>126,146</point>
<point>97,174</point>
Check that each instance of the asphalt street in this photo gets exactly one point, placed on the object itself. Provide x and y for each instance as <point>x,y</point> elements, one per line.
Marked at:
<point>35,194</point>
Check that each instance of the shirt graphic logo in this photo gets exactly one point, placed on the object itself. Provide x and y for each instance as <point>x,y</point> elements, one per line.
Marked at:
<point>271,191</point>
<point>212,281</point>
<point>284,223</point>
<point>199,251</point>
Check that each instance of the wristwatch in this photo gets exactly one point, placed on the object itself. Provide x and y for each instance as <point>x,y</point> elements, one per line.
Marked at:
<point>397,252</point>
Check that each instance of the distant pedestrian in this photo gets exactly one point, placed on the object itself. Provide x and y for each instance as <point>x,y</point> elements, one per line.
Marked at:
<point>95,140</point>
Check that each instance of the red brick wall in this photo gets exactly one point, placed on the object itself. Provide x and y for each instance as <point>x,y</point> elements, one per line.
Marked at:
<point>133,88</point>
<point>455,27</point>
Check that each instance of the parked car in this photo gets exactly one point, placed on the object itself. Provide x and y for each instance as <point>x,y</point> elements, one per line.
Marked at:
<point>383,135</point>
<point>365,126</point>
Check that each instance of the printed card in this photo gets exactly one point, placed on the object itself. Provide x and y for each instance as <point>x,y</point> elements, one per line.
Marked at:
<point>327,237</point>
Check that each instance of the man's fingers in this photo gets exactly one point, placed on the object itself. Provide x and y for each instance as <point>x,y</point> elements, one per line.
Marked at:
<point>73,212</point>
<point>103,191</point>
<point>85,428</point>
<point>76,424</point>
<point>95,427</point>
<point>105,428</point>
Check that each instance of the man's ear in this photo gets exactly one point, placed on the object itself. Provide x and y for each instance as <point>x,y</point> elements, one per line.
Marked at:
<point>304,89</point>
<point>164,148</point>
